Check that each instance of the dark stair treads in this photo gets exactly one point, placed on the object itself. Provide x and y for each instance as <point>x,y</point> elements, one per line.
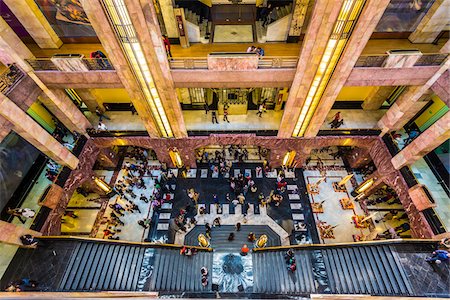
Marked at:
<point>177,273</point>
<point>271,274</point>
<point>365,270</point>
<point>103,266</point>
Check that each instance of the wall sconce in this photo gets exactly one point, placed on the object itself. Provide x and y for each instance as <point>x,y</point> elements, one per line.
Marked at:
<point>176,157</point>
<point>364,186</point>
<point>102,185</point>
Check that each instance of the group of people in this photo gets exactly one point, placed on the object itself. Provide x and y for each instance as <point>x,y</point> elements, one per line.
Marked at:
<point>258,50</point>
<point>289,258</point>
<point>22,285</point>
<point>337,120</point>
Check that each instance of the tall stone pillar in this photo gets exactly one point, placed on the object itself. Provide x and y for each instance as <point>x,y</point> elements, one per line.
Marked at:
<point>410,102</point>
<point>147,28</point>
<point>27,128</point>
<point>15,51</point>
<point>324,16</point>
<point>431,25</point>
<point>34,21</point>
<point>88,98</point>
<point>376,98</point>
<point>105,32</point>
<point>11,233</point>
<point>5,128</point>
<point>169,18</point>
<point>431,138</point>
<point>441,87</point>
<point>367,21</point>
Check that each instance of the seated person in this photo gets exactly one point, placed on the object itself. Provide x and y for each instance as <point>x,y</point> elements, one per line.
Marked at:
<point>244,250</point>
<point>251,237</point>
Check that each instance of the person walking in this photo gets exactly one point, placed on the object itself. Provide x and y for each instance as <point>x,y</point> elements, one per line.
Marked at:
<point>225,114</point>
<point>438,256</point>
<point>214,117</point>
<point>206,108</point>
<point>101,114</point>
<point>167,46</point>
<point>260,110</point>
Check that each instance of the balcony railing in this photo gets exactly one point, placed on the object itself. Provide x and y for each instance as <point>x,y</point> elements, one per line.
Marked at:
<point>9,78</point>
<point>267,62</point>
<point>91,64</point>
<point>377,61</point>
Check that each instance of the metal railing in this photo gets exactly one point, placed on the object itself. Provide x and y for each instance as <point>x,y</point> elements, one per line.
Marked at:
<point>9,78</point>
<point>189,63</point>
<point>92,64</point>
<point>377,61</point>
<point>266,62</point>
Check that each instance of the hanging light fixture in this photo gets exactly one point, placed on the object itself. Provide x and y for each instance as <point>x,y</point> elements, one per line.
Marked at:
<point>102,185</point>
<point>127,37</point>
<point>364,186</point>
<point>342,30</point>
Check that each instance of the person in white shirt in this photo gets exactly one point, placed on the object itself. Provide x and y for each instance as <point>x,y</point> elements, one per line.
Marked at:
<point>102,126</point>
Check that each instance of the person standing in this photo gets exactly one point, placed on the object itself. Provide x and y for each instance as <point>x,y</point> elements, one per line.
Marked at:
<point>167,46</point>
<point>206,108</point>
<point>214,117</point>
<point>101,126</point>
<point>260,110</point>
<point>225,114</point>
<point>101,114</point>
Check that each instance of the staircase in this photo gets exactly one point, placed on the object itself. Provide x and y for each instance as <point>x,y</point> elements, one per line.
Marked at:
<point>272,264</point>
<point>177,273</point>
<point>103,266</point>
<point>373,269</point>
<point>198,32</point>
<point>278,29</point>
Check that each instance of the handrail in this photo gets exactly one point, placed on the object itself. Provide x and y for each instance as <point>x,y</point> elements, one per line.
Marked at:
<point>266,62</point>
<point>78,295</point>
<point>9,78</point>
<point>358,244</point>
<point>377,60</point>
<point>145,244</point>
<point>92,64</point>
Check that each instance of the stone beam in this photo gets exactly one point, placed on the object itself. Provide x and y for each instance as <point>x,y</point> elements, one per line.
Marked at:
<point>14,51</point>
<point>80,80</point>
<point>430,139</point>
<point>410,102</point>
<point>145,21</point>
<point>324,15</point>
<point>442,87</point>
<point>34,21</point>
<point>233,79</point>
<point>431,25</point>
<point>88,98</point>
<point>10,233</point>
<point>106,34</point>
<point>390,76</point>
<point>376,98</point>
<point>31,131</point>
<point>367,21</point>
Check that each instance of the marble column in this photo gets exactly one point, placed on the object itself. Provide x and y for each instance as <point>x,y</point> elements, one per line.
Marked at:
<point>15,51</point>
<point>105,32</point>
<point>169,18</point>
<point>441,87</point>
<point>34,21</point>
<point>376,97</point>
<point>324,15</point>
<point>11,233</point>
<point>146,24</point>
<point>431,138</point>
<point>31,131</point>
<point>431,25</point>
<point>88,98</point>
<point>367,21</point>
<point>410,102</point>
<point>298,17</point>
<point>5,128</point>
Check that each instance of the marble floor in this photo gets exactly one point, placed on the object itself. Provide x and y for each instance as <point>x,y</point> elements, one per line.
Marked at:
<point>233,34</point>
<point>120,120</point>
<point>333,213</point>
<point>425,176</point>
<point>198,120</point>
<point>355,119</point>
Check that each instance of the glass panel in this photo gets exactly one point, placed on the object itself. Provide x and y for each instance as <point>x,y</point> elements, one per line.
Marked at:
<point>403,15</point>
